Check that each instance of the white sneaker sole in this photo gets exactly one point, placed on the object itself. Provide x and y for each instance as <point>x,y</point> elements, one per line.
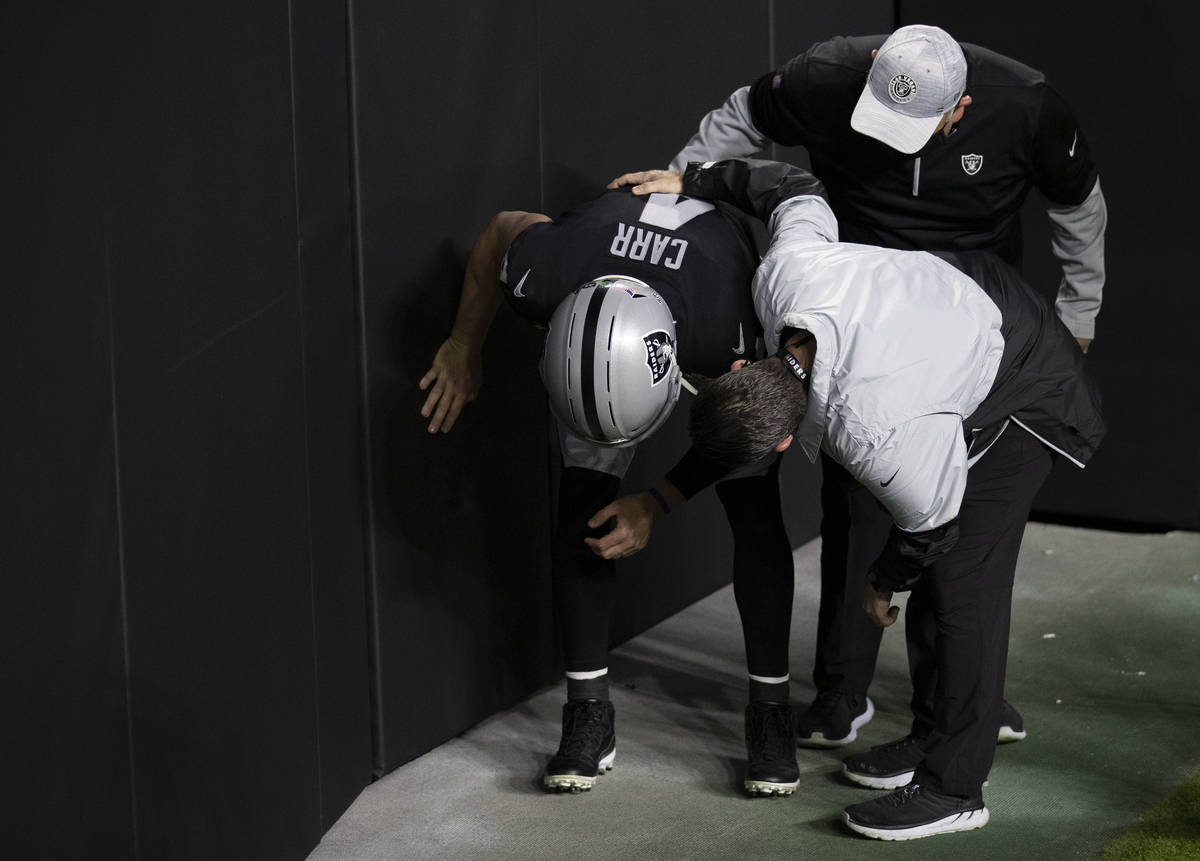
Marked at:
<point>892,781</point>
<point>579,782</point>
<point>966,821</point>
<point>1007,734</point>
<point>818,739</point>
<point>895,781</point>
<point>762,787</point>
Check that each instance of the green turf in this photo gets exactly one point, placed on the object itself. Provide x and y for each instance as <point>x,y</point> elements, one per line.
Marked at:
<point>1168,832</point>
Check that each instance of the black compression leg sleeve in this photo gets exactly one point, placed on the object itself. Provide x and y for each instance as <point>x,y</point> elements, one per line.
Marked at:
<point>763,577</point>
<point>583,582</point>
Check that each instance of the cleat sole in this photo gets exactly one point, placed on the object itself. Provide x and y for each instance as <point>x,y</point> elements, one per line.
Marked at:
<point>579,782</point>
<point>569,784</point>
<point>766,789</point>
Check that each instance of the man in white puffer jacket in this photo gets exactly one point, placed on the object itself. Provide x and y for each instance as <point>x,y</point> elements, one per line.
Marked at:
<point>947,388</point>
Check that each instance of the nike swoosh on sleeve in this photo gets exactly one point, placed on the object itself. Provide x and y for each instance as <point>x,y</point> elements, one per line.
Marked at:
<point>1074,140</point>
<point>517,291</point>
<point>890,480</point>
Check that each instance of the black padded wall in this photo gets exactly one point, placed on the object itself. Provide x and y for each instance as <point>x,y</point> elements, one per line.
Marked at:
<point>446,135</point>
<point>1125,77</point>
<point>64,725</point>
<point>184,616</point>
<point>211,416</point>
<point>333,398</point>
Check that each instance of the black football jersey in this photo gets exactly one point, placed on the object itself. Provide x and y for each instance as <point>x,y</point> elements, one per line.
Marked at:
<point>699,257</point>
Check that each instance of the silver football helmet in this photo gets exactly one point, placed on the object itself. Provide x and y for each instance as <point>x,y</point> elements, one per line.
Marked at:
<point>609,364</point>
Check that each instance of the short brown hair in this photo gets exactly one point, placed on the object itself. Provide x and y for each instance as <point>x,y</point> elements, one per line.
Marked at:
<point>740,417</point>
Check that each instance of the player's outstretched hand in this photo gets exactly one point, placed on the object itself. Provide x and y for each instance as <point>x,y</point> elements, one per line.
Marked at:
<point>651,181</point>
<point>455,376</point>
<point>635,520</point>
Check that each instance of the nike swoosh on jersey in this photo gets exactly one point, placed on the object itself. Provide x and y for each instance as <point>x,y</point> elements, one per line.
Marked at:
<point>889,481</point>
<point>1074,140</point>
<point>517,291</point>
<point>741,347</point>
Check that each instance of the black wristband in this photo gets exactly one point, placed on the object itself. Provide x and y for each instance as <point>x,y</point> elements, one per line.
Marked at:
<point>660,499</point>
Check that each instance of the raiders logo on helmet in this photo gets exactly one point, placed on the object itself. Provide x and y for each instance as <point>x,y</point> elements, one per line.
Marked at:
<point>659,350</point>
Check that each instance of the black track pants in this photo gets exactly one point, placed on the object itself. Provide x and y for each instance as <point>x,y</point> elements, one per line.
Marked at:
<point>957,618</point>
<point>854,528</point>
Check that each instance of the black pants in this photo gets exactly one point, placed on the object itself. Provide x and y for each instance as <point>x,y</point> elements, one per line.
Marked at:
<point>957,618</point>
<point>854,528</point>
<point>763,576</point>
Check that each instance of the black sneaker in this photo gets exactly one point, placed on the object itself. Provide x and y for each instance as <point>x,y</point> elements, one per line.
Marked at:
<point>588,746</point>
<point>771,749</point>
<point>833,719</point>
<point>885,766</point>
<point>915,811</point>
<point>1012,728</point>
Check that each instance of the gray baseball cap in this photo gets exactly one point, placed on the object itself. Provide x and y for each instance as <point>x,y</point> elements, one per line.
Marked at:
<point>918,75</point>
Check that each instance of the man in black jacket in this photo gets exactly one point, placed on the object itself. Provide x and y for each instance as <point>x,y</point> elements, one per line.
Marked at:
<point>922,143</point>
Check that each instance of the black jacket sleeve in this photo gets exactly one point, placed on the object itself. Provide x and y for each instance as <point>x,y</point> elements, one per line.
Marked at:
<point>694,472</point>
<point>776,100</point>
<point>907,554</point>
<point>1062,157</point>
<point>753,186</point>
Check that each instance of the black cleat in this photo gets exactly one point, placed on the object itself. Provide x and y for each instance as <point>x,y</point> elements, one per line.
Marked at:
<point>915,811</point>
<point>771,749</point>
<point>588,746</point>
<point>833,719</point>
<point>885,766</point>
<point>1012,728</point>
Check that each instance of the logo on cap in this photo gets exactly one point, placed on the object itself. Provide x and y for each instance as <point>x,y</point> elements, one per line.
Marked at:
<point>902,89</point>
<point>658,355</point>
<point>971,163</point>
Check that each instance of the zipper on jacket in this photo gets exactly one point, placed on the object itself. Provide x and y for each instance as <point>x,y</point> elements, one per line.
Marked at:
<point>917,177</point>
